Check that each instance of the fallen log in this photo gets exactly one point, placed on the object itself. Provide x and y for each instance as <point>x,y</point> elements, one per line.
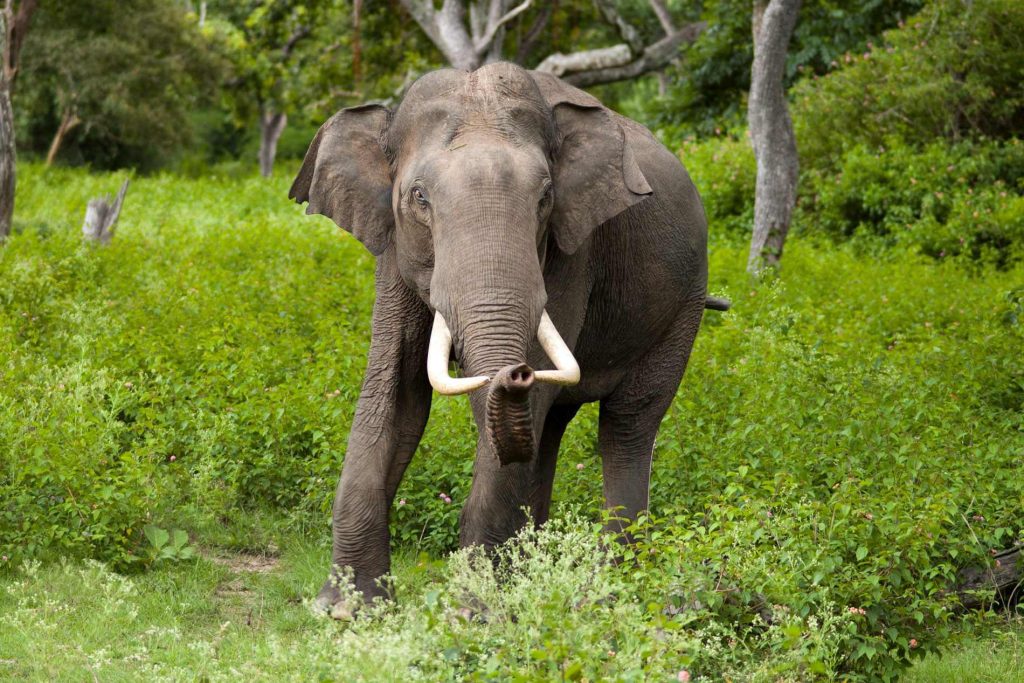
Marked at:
<point>101,217</point>
<point>1005,576</point>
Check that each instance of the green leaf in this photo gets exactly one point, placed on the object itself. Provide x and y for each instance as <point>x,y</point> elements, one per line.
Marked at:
<point>179,539</point>
<point>157,537</point>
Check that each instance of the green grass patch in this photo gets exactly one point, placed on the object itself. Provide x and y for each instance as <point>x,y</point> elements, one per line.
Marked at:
<point>845,440</point>
<point>995,656</point>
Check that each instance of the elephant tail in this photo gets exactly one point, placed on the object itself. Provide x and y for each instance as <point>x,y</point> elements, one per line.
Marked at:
<point>717,303</point>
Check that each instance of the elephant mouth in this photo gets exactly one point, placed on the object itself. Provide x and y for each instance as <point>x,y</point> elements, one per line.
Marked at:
<point>566,372</point>
<point>508,423</point>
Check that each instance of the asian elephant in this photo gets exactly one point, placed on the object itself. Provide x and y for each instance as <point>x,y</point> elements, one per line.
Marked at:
<point>555,250</point>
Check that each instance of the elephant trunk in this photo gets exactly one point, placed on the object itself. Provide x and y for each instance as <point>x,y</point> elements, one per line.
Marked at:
<point>566,372</point>
<point>487,291</point>
<point>508,421</point>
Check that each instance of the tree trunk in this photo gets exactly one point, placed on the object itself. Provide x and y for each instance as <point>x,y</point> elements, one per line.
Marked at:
<point>271,126</point>
<point>771,133</point>
<point>13,28</point>
<point>1006,577</point>
<point>7,168</point>
<point>357,44</point>
<point>101,216</point>
<point>67,123</point>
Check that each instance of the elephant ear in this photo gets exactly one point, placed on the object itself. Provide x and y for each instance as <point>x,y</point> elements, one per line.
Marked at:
<point>345,175</point>
<point>596,176</point>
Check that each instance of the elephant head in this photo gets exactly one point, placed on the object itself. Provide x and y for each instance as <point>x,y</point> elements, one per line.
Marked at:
<point>473,180</point>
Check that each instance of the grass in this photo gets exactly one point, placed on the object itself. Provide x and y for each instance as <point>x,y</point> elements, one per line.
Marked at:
<point>73,622</point>
<point>839,435</point>
<point>995,657</point>
<point>229,615</point>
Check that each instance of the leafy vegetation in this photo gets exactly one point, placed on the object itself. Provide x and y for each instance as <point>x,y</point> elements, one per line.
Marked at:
<point>708,89</point>
<point>820,455</point>
<point>923,160</point>
<point>846,439</point>
<point>558,610</point>
<point>951,73</point>
<point>113,81</point>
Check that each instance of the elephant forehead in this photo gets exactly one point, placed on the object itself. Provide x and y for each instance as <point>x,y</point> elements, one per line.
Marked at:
<point>498,98</point>
<point>489,83</point>
<point>499,81</point>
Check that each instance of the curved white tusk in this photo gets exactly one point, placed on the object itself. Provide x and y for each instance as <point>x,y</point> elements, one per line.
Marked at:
<point>568,370</point>
<point>437,363</point>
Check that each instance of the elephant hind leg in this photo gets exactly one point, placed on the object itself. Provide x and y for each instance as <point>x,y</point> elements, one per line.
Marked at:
<point>558,418</point>
<point>631,415</point>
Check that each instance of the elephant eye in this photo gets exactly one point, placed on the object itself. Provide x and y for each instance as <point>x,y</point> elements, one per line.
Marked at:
<point>545,198</point>
<point>420,196</point>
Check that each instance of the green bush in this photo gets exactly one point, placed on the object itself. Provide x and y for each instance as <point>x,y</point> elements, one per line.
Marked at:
<point>707,90</point>
<point>203,368</point>
<point>724,171</point>
<point>953,72</point>
<point>965,199</point>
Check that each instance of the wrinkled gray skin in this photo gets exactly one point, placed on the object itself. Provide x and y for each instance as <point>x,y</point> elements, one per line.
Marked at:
<point>490,196</point>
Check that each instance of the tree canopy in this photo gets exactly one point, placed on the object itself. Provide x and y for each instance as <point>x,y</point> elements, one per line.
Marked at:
<point>118,76</point>
<point>143,83</point>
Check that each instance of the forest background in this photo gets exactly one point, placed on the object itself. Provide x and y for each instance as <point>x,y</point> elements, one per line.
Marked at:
<point>845,446</point>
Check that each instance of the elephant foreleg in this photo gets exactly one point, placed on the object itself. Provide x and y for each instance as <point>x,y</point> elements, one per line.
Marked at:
<point>557,420</point>
<point>631,415</point>
<point>390,417</point>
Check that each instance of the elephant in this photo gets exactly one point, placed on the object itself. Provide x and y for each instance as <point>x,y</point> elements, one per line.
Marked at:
<point>550,247</point>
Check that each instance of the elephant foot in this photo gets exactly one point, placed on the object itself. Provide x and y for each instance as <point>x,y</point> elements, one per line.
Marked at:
<point>341,599</point>
<point>332,603</point>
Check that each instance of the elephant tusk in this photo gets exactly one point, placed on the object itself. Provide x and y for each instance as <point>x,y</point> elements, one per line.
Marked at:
<point>438,352</point>
<point>567,372</point>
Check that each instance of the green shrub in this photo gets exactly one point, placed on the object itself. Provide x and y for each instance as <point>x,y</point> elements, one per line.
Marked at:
<point>943,200</point>
<point>724,171</point>
<point>204,367</point>
<point>954,71</point>
<point>707,90</point>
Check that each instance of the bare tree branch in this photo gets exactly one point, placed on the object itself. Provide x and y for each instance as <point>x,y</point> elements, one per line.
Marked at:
<point>626,30</point>
<point>16,29</point>
<point>300,33</point>
<point>584,60</point>
<point>533,33</point>
<point>452,37</point>
<point>664,17</point>
<point>464,47</point>
<point>422,12</point>
<point>467,47</point>
<point>596,67</point>
<point>484,42</point>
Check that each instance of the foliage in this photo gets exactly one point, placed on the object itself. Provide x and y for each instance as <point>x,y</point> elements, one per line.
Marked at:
<point>167,546</point>
<point>952,72</point>
<point>708,86</point>
<point>964,200</point>
<point>845,437</point>
<point>890,173</point>
<point>993,654</point>
<point>277,47</point>
<point>724,170</point>
<point>557,609</point>
<point>129,71</point>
